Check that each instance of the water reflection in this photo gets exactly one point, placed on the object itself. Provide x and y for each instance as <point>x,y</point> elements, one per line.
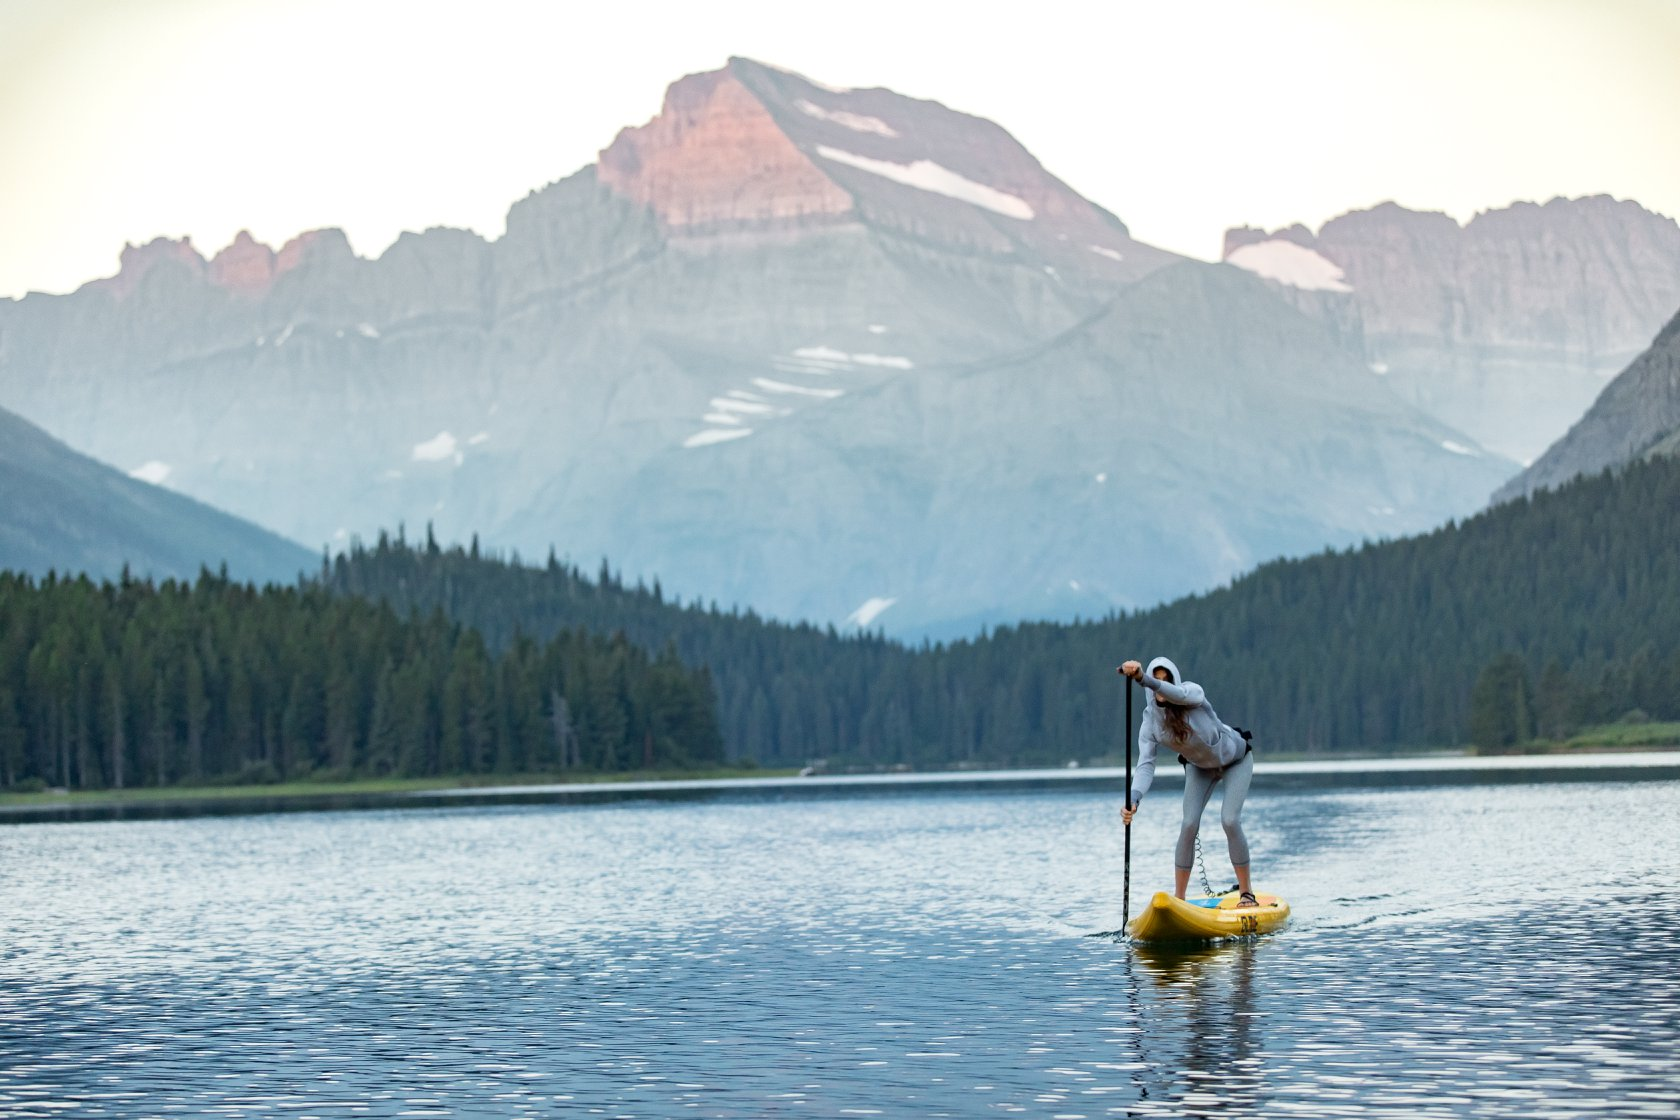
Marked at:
<point>1201,1033</point>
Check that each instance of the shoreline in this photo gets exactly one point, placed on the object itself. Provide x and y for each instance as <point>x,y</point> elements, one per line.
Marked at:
<point>1367,773</point>
<point>464,784</point>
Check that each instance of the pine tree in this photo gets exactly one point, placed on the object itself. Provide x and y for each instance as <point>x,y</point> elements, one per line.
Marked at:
<point>1500,705</point>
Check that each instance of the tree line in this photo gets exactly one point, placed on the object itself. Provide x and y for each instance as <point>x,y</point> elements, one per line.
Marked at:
<point>1373,648</point>
<point>132,683</point>
<point>1537,617</point>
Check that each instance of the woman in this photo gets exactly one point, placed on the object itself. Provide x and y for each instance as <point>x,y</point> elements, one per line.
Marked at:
<point>1181,719</point>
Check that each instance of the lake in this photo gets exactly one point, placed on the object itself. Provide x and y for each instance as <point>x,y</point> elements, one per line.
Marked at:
<point>1507,949</point>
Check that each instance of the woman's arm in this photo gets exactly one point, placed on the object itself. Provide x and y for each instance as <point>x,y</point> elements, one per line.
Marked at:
<point>1144,776</point>
<point>1186,695</point>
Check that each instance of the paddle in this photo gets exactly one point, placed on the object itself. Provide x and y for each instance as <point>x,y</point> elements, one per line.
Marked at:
<point>1126,879</point>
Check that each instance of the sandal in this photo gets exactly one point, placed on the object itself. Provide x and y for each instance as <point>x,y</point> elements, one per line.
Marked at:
<point>1247,899</point>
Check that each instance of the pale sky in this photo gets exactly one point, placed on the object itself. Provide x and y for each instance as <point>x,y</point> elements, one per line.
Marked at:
<point>123,120</point>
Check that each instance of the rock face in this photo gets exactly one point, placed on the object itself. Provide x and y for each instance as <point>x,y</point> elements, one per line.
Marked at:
<point>836,355</point>
<point>1506,327</point>
<point>246,266</point>
<point>66,513</point>
<point>1638,414</point>
<point>715,158</point>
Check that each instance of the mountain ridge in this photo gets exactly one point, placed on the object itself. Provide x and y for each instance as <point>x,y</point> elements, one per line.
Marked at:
<point>599,380</point>
<point>1637,416</point>
<point>67,513</point>
<point>1506,326</point>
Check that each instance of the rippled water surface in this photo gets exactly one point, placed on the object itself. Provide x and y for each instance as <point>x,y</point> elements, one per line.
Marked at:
<point>1510,951</point>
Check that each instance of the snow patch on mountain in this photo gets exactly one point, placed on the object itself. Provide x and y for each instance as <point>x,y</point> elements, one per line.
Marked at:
<point>1104,251</point>
<point>826,358</point>
<point>1291,264</point>
<point>440,448</point>
<point>926,175</point>
<point>751,408</point>
<point>869,611</point>
<point>1459,448</point>
<point>857,122</point>
<point>885,361</point>
<point>152,471</point>
<point>715,435</point>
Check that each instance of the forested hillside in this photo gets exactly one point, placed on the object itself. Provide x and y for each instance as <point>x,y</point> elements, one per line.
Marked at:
<point>1572,598</point>
<point>131,684</point>
<point>1550,612</point>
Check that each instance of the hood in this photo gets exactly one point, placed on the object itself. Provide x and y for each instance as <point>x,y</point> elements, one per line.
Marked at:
<point>1165,663</point>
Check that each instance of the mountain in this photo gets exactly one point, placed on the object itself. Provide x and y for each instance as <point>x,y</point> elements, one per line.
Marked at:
<point>1505,327</point>
<point>1193,428</point>
<point>1637,415</point>
<point>836,354</point>
<point>65,512</point>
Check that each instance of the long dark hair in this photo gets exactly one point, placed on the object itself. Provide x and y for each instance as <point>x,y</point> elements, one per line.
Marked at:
<point>1173,722</point>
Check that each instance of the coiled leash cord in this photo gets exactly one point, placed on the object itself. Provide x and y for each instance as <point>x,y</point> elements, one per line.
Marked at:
<point>1201,866</point>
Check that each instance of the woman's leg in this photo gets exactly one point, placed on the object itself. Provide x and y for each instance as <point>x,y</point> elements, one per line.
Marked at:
<point>1198,786</point>
<point>1238,776</point>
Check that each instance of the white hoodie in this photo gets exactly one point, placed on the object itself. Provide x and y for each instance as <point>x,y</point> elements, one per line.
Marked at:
<point>1210,745</point>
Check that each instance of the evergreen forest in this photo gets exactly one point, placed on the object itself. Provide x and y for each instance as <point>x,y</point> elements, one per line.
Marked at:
<point>1532,619</point>
<point>135,684</point>
<point>1550,613</point>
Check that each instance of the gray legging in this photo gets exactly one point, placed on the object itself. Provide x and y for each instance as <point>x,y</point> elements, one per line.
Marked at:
<point>1198,787</point>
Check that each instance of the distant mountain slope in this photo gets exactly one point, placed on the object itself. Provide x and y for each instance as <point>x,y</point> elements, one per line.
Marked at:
<point>839,355</point>
<point>1637,414</point>
<point>1505,327</point>
<point>63,511</point>
<point>1120,463</point>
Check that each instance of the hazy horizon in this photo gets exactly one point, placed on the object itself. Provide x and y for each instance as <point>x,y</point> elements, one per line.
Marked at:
<point>378,119</point>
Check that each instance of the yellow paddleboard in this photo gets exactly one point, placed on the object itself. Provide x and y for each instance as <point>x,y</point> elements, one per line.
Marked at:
<point>1206,919</point>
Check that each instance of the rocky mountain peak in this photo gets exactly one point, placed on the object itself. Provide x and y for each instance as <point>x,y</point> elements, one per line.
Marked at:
<point>754,145</point>
<point>246,266</point>
<point>715,156</point>
<point>138,260</point>
<point>316,245</point>
<point>1244,236</point>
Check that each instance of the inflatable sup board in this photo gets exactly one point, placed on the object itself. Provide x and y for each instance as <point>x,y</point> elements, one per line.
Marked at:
<point>1206,919</point>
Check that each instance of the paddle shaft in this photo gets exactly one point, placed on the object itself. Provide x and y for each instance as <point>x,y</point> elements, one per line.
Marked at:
<point>1126,878</point>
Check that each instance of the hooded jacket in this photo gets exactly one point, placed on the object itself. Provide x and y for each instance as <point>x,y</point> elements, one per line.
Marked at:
<point>1210,744</point>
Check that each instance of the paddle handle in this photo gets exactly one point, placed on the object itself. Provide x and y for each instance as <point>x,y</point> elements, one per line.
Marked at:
<point>1126,877</point>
